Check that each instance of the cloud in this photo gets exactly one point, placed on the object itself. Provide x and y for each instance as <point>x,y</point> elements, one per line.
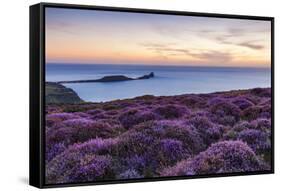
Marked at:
<point>173,50</point>
<point>247,44</point>
<point>62,26</point>
<point>232,36</point>
<point>212,55</point>
<point>234,32</point>
<point>166,50</point>
<point>251,45</point>
<point>155,45</point>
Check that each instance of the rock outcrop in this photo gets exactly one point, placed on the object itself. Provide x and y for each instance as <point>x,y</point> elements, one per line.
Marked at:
<point>57,93</point>
<point>115,78</point>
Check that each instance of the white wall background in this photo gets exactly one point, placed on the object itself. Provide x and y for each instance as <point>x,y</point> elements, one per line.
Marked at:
<point>14,74</point>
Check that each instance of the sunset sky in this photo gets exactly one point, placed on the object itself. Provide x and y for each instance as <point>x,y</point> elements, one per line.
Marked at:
<point>103,37</point>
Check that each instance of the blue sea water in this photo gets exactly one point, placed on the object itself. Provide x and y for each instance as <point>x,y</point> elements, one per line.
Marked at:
<point>168,80</point>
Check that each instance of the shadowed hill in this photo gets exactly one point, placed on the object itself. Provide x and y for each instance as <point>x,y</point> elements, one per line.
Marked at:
<point>57,93</point>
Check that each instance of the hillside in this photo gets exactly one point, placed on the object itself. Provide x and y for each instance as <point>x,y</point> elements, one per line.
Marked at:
<point>150,136</point>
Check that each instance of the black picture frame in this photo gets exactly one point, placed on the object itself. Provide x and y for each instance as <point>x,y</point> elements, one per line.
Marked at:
<point>37,92</point>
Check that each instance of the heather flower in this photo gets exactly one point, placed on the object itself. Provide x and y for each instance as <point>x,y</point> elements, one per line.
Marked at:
<point>81,130</point>
<point>171,111</point>
<point>265,102</point>
<point>230,135</point>
<point>54,150</point>
<point>216,100</point>
<point>97,146</point>
<point>60,135</point>
<point>52,109</point>
<point>252,113</point>
<point>200,113</point>
<point>112,113</point>
<point>209,131</point>
<point>82,114</point>
<point>262,124</point>
<point>224,112</point>
<point>184,132</point>
<point>53,118</point>
<point>243,125</point>
<point>136,162</point>
<point>242,103</point>
<point>256,139</point>
<point>266,111</point>
<point>168,151</point>
<point>177,170</point>
<point>131,143</point>
<point>225,157</point>
<point>78,123</point>
<point>94,111</point>
<point>134,117</point>
<point>129,174</point>
<point>81,162</point>
<point>97,168</point>
<point>193,101</point>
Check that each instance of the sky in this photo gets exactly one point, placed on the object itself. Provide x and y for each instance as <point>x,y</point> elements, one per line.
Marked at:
<point>106,37</point>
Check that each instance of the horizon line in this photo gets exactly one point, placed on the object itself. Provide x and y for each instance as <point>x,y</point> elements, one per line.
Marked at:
<point>176,65</point>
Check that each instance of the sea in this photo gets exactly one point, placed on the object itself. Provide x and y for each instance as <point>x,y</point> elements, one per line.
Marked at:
<point>168,80</point>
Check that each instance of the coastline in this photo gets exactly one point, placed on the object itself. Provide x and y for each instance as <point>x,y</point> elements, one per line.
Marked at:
<point>65,92</point>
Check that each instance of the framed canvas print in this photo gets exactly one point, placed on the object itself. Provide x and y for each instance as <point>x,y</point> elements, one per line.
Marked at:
<point>128,95</point>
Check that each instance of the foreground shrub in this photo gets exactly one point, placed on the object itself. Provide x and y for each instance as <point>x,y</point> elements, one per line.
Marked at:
<point>243,125</point>
<point>209,131</point>
<point>169,151</point>
<point>53,118</point>
<point>78,167</point>
<point>94,168</point>
<point>262,124</point>
<point>256,139</point>
<point>224,112</point>
<point>82,162</point>
<point>132,143</point>
<point>171,111</point>
<point>182,131</point>
<point>94,146</point>
<point>80,130</point>
<point>133,117</point>
<point>242,103</point>
<point>129,174</point>
<point>252,113</point>
<point>135,162</point>
<point>147,153</point>
<point>54,150</point>
<point>193,101</point>
<point>180,169</point>
<point>225,157</point>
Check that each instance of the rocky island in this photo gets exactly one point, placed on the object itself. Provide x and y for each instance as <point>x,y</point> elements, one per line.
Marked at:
<point>114,78</point>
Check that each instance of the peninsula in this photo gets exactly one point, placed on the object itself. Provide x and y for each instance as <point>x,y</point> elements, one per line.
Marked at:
<point>114,78</point>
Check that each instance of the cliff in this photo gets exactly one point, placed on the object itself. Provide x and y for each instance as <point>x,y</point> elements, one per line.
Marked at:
<point>57,93</point>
